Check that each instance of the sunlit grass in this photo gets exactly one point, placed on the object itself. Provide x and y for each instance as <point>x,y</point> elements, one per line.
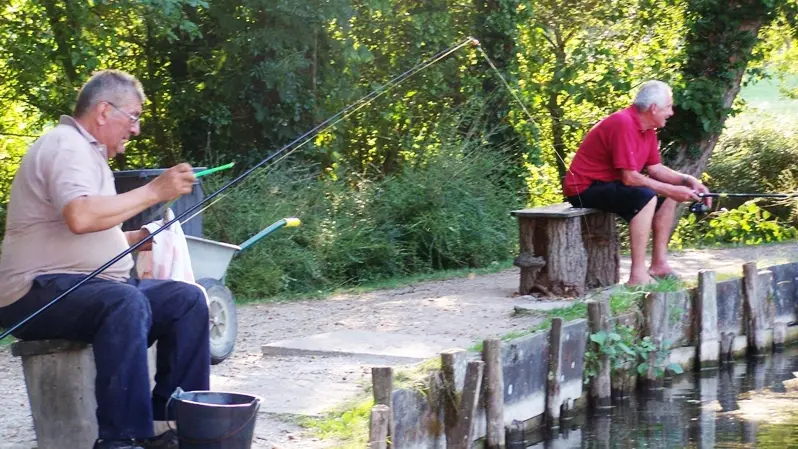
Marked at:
<point>348,426</point>
<point>622,300</point>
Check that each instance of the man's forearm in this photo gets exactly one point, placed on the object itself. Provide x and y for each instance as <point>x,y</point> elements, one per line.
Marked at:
<point>98,213</point>
<point>673,177</point>
<point>633,178</point>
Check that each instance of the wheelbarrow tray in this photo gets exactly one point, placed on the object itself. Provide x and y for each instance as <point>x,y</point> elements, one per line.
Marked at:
<point>209,258</point>
<point>209,261</point>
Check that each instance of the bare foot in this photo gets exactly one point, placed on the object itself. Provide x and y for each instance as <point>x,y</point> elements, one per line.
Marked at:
<point>662,270</point>
<point>640,280</point>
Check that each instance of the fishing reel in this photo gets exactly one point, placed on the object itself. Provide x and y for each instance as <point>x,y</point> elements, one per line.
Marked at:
<point>698,207</point>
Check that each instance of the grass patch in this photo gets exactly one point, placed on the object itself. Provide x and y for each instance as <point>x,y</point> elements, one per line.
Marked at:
<point>417,376</point>
<point>622,299</point>
<point>348,426</point>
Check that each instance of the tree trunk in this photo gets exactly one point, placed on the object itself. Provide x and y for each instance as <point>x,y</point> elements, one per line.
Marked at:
<point>719,47</point>
<point>691,155</point>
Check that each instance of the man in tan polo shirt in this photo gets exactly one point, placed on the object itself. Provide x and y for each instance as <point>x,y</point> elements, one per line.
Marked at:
<point>64,221</point>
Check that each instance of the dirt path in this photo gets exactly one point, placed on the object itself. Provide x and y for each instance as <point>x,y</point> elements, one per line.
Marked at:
<point>472,309</point>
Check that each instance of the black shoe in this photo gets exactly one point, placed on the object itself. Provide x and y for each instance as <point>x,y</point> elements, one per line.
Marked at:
<point>116,444</point>
<point>166,440</point>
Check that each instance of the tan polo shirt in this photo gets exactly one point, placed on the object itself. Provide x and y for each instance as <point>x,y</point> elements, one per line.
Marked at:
<point>65,163</point>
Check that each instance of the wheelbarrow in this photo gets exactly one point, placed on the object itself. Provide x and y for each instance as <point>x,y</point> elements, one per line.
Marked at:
<point>209,261</point>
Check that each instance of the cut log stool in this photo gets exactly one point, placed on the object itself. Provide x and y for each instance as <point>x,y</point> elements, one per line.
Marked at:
<point>565,250</point>
<point>59,377</point>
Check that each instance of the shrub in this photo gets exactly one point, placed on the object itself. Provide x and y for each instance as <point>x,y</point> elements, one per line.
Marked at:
<point>756,154</point>
<point>449,211</point>
<point>748,224</point>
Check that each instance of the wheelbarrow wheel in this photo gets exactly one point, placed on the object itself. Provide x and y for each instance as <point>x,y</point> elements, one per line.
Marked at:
<point>223,319</point>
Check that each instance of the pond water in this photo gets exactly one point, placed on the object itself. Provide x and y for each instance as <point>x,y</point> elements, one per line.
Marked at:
<point>747,403</point>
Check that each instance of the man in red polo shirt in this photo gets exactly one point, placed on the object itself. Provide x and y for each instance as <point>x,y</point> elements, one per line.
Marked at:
<point>606,174</point>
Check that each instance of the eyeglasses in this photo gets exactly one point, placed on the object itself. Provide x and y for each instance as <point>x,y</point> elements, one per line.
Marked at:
<point>133,119</point>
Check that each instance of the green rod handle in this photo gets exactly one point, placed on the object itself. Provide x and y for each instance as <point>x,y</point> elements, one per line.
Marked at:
<point>213,170</point>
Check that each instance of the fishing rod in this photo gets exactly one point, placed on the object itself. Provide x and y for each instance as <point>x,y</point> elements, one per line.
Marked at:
<point>326,123</point>
<point>698,207</point>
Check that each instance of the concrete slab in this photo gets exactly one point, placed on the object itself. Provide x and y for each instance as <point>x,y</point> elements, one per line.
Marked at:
<point>366,344</point>
<point>305,386</point>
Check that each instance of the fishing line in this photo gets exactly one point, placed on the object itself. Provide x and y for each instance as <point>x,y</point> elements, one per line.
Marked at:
<point>304,138</point>
<point>354,108</point>
<point>532,119</point>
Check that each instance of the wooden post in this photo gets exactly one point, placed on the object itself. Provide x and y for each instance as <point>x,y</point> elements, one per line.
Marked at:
<point>494,394</point>
<point>382,384</point>
<point>378,427</point>
<point>779,335</point>
<point>655,314</point>
<point>553,389</point>
<point>726,346</point>
<point>598,318</point>
<point>707,311</point>
<point>450,360</point>
<point>754,310</point>
<point>467,411</point>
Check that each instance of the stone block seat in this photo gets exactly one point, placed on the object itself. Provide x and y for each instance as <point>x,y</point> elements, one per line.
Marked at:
<point>59,377</point>
<point>565,250</point>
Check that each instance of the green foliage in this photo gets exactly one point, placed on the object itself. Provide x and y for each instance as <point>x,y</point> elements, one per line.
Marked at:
<point>651,352</point>
<point>718,46</point>
<point>348,427</point>
<point>448,212</point>
<point>756,155</point>
<point>618,345</point>
<point>385,192</point>
<point>582,60</point>
<point>625,350</point>
<point>747,225</point>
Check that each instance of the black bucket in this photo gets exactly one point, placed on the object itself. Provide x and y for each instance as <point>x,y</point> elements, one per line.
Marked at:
<point>214,419</point>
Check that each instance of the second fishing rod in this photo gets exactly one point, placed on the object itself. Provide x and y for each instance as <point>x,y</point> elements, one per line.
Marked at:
<point>699,207</point>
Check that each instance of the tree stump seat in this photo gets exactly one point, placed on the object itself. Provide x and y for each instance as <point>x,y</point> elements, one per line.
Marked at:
<point>566,250</point>
<point>59,378</point>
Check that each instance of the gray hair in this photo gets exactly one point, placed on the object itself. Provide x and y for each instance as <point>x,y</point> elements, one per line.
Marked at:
<point>108,85</point>
<point>652,92</point>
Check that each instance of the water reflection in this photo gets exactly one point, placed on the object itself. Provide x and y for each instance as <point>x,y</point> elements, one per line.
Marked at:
<point>740,405</point>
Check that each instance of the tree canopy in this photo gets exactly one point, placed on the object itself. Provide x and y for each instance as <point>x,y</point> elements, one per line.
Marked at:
<point>236,80</point>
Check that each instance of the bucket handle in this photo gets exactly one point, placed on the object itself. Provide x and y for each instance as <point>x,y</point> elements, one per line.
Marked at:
<point>215,440</point>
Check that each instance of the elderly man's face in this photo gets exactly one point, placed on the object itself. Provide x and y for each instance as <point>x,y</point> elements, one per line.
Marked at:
<point>122,121</point>
<point>662,114</point>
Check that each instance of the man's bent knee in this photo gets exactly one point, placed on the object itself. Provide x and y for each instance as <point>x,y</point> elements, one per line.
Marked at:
<point>646,210</point>
<point>193,297</point>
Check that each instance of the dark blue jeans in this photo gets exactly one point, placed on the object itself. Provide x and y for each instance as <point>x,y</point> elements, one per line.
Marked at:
<point>121,320</point>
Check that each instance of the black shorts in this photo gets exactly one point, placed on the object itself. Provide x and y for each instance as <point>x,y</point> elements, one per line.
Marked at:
<point>615,197</point>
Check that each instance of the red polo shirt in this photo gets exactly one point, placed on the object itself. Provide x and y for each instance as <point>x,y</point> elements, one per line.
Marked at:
<point>613,144</point>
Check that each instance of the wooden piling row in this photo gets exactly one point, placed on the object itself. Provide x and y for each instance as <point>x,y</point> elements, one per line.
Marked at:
<point>469,385</point>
